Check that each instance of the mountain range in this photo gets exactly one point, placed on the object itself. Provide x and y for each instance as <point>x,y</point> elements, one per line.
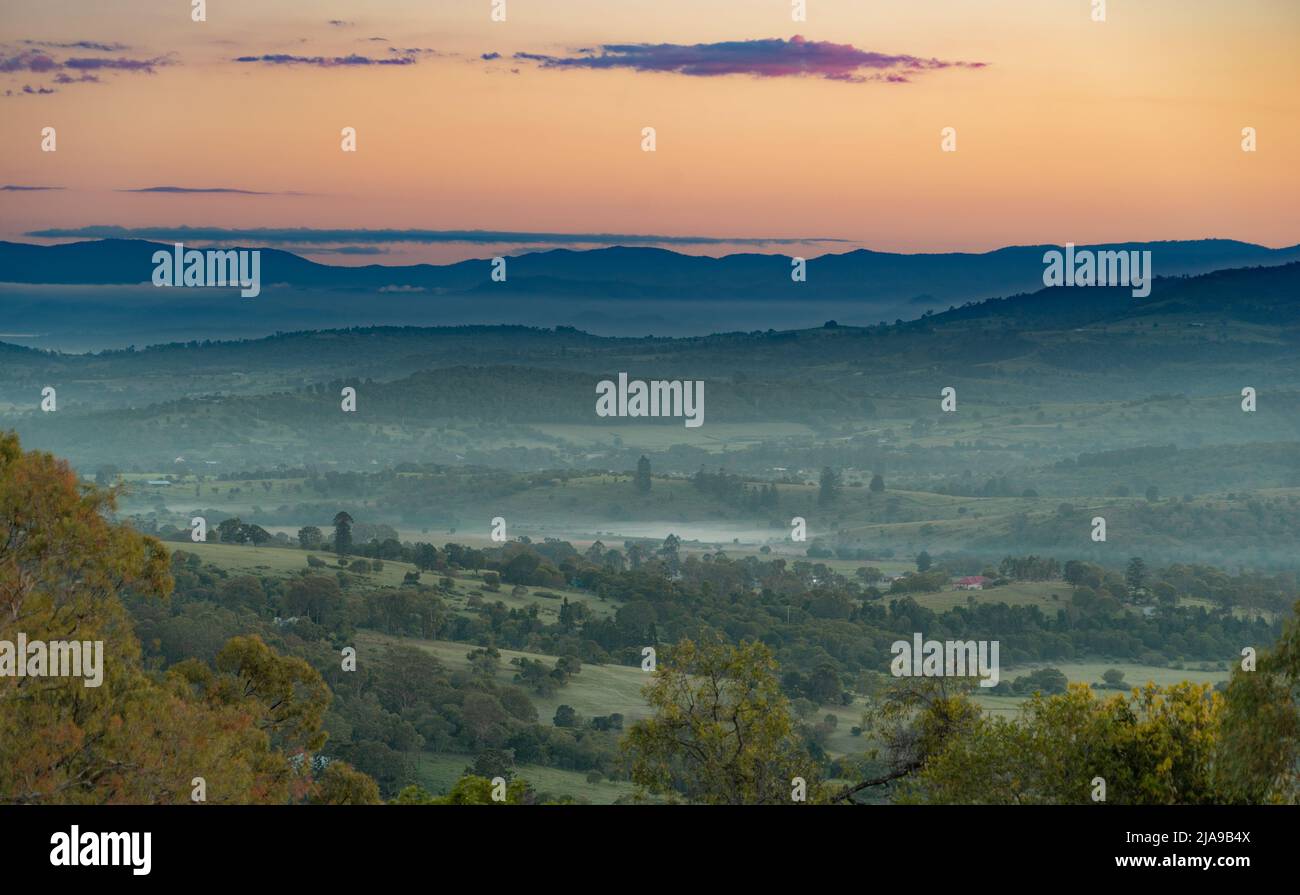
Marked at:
<point>98,294</point>
<point>636,273</point>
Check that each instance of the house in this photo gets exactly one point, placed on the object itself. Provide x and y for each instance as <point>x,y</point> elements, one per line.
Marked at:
<point>971,582</point>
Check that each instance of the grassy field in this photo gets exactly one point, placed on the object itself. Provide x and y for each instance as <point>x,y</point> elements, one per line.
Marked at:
<point>1134,675</point>
<point>597,690</point>
<point>714,437</point>
<point>604,689</point>
<point>1018,593</point>
<point>285,562</point>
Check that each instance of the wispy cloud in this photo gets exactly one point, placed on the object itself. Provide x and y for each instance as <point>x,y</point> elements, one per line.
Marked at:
<point>310,236</point>
<point>28,60</point>
<point>95,63</point>
<point>26,57</point>
<point>40,62</point>
<point>14,188</point>
<point>76,45</point>
<point>407,56</point>
<point>770,58</point>
<point>190,190</point>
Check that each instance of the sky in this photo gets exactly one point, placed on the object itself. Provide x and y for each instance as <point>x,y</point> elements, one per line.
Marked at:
<point>771,134</point>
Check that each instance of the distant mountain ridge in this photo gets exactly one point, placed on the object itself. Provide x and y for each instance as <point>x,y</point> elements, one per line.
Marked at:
<point>96,295</point>
<point>647,274</point>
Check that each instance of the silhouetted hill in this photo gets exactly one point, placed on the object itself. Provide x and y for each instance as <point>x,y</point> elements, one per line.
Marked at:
<point>1268,295</point>
<point>648,273</point>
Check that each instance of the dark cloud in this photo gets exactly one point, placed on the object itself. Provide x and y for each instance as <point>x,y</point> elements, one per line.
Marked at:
<point>490,56</point>
<point>771,58</point>
<point>77,45</point>
<point>29,60</point>
<point>41,62</point>
<point>14,188</point>
<point>339,23</point>
<point>95,63</point>
<point>309,236</point>
<point>353,59</point>
<point>186,189</point>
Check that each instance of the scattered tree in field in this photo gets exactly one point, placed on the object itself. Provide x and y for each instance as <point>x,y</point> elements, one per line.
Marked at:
<point>257,535</point>
<point>485,662</point>
<point>426,557</point>
<point>309,537</point>
<point>923,561</point>
<point>828,490</point>
<point>342,533</point>
<point>642,478</point>
<point>232,531</point>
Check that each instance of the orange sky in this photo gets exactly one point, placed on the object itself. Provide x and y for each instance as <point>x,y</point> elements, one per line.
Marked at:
<point>1076,131</point>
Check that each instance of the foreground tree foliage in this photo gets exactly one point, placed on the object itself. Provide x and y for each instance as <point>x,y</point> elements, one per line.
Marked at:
<point>1183,744</point>
<point>913,721</point>
<point>245,727</point>
<point>341,784</point>
<point>722,732</point>
<point>1260,759</point>
<point>468,790</point>
<point>1153,746</point>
